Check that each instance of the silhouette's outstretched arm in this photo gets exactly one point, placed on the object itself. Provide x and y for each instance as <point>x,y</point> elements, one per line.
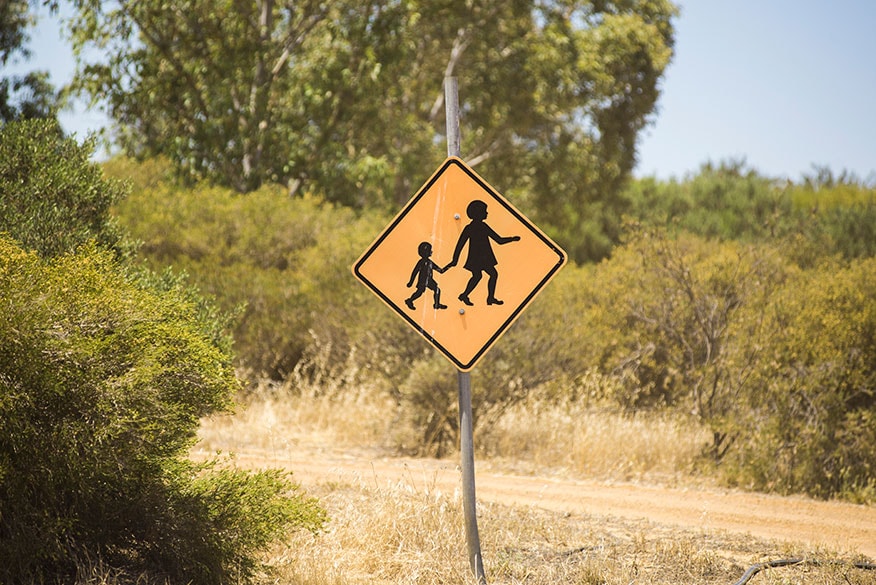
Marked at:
<point>500,240</point>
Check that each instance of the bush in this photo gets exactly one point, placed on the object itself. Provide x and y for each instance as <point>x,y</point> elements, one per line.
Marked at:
<point>102,384</point>
<point>833,215</point>
<point>725,201</point>
<point>52,199</point>
<point>281,264</point>
<point>105,371</point>
<point>777,359</point>
<point>812,419</point>
<point>839,215</point>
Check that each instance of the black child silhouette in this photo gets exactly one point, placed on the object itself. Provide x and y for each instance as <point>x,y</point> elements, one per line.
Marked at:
<point>480,252</point>
<point>423,275</point>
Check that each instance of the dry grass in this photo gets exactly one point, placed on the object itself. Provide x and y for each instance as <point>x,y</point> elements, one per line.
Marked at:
<point>397,534</point>
<point>536,436</point>
<point>572,439</point>
<point>409,532</point>
<point>275,420</point>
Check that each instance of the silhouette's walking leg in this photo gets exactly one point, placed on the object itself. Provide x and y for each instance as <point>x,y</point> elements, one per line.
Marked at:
<point>410,301</point>
<point>437,304</point>
<point>472,283</point>
<point>491,287</point>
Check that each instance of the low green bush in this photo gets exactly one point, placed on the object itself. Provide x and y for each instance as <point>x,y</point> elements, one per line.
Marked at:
<point>731,201</point>
<point>728,201</point>
<point>840,216</point>
<point>102,384</point>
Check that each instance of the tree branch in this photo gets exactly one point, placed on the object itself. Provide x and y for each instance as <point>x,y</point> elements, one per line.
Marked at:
<point>460,43</point>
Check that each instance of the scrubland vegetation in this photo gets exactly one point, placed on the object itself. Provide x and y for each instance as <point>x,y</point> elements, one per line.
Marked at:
<point>731,310</point>
<point>716,328</point>
<point>706,347</point>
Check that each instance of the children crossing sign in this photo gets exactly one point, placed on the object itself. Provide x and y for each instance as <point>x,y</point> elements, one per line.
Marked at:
<point>459,263</point>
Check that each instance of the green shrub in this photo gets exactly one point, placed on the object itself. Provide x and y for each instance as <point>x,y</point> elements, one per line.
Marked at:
<point>841,216</point>
<point>52,199</point>
<point>102,384</point>
<point>812,419</point>
<point>726,201</point>
<point>681,322</point>
<point>834,215</point>
<point>777,359</point>
<point>282,264</point>
<point>428,407</point>
<point>105,371</point>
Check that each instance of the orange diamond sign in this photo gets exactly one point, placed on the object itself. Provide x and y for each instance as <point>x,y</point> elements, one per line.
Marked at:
<point>459,263</point>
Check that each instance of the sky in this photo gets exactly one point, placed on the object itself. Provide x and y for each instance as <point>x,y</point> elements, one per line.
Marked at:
<point>783,85</point>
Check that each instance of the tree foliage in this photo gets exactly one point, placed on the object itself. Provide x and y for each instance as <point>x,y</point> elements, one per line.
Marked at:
<point>52,199</point>
<point>728,200</point>
<point>345,98</point>
<point>22,96</point>
<point>824,213</point>
<point>840,211</point>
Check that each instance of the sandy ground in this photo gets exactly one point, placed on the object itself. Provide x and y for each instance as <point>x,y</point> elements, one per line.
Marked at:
<point>813,524</point>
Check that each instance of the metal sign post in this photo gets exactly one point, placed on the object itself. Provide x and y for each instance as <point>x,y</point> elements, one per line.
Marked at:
<point>466,427</point>
<point>419,258</point>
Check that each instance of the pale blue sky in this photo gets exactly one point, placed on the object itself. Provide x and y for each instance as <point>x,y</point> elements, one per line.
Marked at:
<point>783,84</point>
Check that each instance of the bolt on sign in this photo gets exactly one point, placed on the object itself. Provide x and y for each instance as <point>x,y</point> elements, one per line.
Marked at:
<point>459,263</point>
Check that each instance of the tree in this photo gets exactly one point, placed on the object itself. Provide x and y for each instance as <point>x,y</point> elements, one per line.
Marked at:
<point>345,98</point>
<point>211,85</point>
<point>30,95</point>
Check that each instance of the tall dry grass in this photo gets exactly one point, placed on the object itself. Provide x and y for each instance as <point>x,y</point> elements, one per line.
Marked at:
<point>577,439</point>
<point>411,532</point>
<point>539,435</point>
<point>276,418</point>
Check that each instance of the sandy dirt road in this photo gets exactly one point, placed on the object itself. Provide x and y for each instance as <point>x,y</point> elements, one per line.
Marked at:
<point>814,524</point>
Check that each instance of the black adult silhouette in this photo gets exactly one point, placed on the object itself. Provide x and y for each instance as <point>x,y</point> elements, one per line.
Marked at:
<point>480,252</point>
<point>423,275</point>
